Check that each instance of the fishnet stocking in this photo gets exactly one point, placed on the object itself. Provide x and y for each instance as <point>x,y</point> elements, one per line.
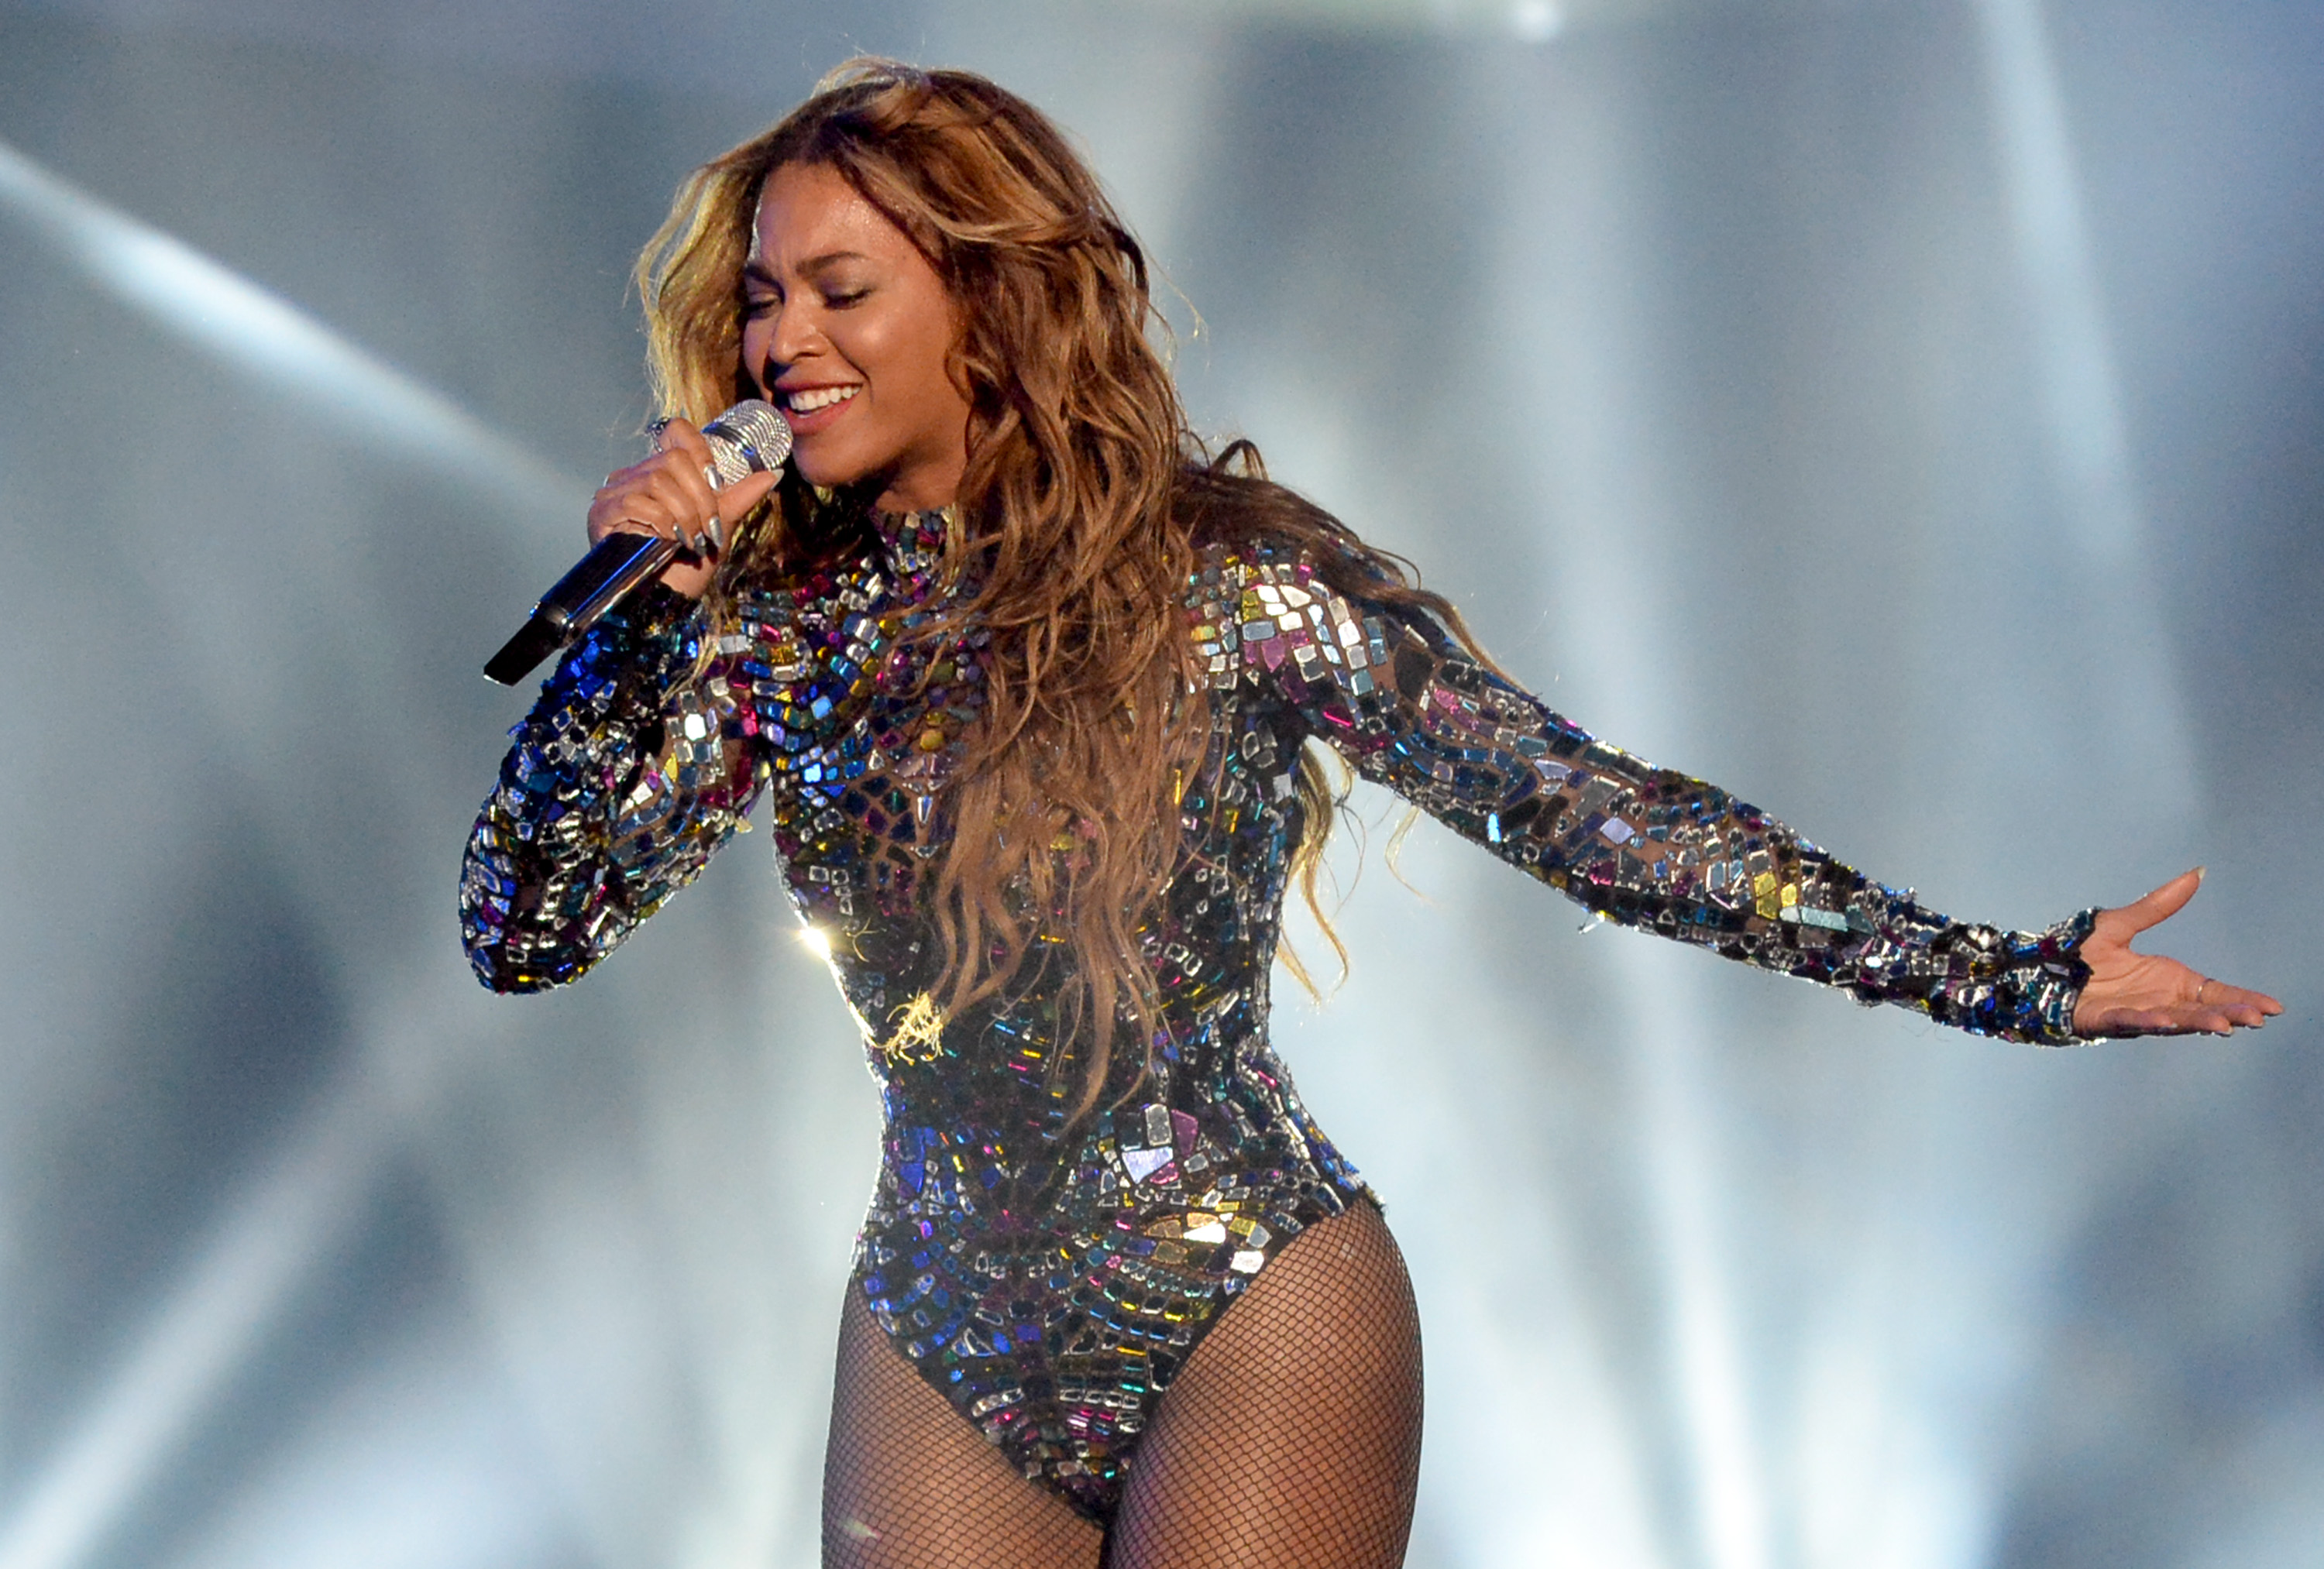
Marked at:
<point>1291,1441</point>
<point>909,1484</point>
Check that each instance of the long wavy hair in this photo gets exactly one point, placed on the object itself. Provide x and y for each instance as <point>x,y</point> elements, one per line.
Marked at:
<point>1079,517</point>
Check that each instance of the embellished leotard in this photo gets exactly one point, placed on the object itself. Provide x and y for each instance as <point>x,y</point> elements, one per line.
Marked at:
<point>1050,1280</point>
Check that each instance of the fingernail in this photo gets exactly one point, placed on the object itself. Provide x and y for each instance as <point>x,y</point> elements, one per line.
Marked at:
<point>2198,875</point>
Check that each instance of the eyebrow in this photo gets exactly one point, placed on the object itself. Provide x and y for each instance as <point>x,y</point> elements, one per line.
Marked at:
<point>757,269</point>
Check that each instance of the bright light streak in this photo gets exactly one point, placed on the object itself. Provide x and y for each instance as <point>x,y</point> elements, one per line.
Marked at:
<point>2052,243</point>
<point>2078,385</point>
<point>1707,1363</point>
<point>1582,373</point>
<point>240,1281</point>
<point>258,332</point>
<point>1538,20</point>
<point>2054,252</point>
<point>244,1275</point>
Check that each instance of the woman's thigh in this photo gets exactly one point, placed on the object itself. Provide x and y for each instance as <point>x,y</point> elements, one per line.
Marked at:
<point>1293,1437</point>
<point>909,1484</point>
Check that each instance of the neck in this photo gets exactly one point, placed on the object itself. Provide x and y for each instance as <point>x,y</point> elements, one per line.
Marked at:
<point>913,529</point>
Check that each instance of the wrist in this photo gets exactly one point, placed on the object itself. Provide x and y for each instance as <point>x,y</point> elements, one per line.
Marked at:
<point>689,576</point>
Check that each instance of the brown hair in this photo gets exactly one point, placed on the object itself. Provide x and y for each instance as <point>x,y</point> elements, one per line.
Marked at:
<point>1079,515</point>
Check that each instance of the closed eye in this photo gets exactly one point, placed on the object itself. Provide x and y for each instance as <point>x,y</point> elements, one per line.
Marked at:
<point>760,292</point>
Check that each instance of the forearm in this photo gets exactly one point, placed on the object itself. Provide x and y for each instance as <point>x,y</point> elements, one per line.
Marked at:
<point>1658,851</point>
<point>1411,708</point>
<point>605,803</point>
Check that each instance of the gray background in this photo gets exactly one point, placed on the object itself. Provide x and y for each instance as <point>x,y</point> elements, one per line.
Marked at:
<point>1904,414</point>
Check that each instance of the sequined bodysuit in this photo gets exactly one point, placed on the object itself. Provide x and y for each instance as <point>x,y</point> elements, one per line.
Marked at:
<point>1052,1281</point>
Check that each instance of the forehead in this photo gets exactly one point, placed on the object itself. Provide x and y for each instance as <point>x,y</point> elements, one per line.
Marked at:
<point>808,212</point>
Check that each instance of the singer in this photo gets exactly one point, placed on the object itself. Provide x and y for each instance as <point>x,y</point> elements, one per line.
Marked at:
<point>1033,687</point>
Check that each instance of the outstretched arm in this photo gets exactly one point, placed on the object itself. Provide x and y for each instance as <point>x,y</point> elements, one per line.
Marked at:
<point>1391,688</point>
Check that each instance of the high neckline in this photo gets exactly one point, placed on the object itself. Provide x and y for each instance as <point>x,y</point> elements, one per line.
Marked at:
<point>912,541</point>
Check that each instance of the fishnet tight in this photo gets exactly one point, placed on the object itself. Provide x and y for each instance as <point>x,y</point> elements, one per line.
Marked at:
<point>1291,1440</point>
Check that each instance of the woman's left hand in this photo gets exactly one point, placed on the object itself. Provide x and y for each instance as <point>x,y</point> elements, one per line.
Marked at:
<point>2144,994</point>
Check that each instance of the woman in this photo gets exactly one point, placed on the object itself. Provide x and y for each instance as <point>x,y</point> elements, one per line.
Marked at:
<point>1029,685</point>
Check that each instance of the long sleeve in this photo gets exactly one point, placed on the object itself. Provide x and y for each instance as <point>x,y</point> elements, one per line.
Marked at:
<point>1411,709</point>
<point>620,786</point>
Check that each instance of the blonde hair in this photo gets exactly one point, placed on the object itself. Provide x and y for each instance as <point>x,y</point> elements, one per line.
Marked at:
<point>1078,518</point>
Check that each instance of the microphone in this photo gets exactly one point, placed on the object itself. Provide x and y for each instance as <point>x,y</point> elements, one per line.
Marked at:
<point>748,437</point>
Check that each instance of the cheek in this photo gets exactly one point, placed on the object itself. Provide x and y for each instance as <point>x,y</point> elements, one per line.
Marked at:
<point>908,359</point>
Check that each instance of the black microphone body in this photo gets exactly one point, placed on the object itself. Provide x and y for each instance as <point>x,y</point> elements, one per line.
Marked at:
<point>745,439</point>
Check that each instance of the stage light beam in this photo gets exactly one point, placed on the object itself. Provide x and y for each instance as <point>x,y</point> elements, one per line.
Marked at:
<point>257,332</point>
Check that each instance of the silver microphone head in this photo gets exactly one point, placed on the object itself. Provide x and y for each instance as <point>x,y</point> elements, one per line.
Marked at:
<point>746,438</point>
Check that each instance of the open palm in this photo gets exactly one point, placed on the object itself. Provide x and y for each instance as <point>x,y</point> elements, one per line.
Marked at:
<point>2145,993</point>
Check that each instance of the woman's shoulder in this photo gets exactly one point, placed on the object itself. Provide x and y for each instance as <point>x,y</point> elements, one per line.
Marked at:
<point>1245,529</point>
<point>1224,570</point>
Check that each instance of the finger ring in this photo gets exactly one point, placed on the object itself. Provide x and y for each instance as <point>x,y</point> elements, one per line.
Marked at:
<point>654,430</point>
<point>2201,989</point>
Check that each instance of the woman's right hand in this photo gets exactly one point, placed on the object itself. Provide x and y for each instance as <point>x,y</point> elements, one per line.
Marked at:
<point>669,493</point>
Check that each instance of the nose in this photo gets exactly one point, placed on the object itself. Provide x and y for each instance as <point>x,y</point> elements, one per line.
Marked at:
<point>795,336</point>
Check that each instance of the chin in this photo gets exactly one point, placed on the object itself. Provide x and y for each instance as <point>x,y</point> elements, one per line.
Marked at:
<point>824,473</point>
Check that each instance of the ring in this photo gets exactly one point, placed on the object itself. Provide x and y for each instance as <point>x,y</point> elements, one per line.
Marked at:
<point>2201,989</point>
<point>654,430</point>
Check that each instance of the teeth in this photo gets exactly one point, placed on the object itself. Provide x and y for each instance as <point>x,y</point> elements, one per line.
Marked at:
<point>808,400</point>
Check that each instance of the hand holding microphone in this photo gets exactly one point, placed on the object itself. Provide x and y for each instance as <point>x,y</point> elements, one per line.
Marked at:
<point>667,515</point>
<point>671,493</point>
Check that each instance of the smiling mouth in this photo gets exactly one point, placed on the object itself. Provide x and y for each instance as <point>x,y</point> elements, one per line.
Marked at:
<point>811,399</point>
